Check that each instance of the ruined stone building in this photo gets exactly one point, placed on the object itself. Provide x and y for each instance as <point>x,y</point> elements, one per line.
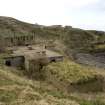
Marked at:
<point>18,40</point>
<point>22,40</point>
<point>28,58</point>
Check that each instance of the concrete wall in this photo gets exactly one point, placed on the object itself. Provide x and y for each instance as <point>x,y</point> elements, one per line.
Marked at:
<point>15,61</point>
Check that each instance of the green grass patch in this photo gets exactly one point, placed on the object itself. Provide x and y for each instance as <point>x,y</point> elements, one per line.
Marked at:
<point>7,96</point>
<point>71,72</point>
<point>94,102</point>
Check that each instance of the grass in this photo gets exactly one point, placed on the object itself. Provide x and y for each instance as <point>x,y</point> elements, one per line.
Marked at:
<point>98,48</point>
<point>71,72</point>
<point>19,90</point>
<point>7,96</point>
<point>15,89</point>
<point>70,77</point>
<point>76,39</point>
<point>95,102</point>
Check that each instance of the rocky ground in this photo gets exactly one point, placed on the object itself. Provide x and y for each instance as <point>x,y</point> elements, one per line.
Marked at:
<point>97,59</point>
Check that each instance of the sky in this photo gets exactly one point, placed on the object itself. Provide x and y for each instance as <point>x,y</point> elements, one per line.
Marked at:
<point>85,14</point>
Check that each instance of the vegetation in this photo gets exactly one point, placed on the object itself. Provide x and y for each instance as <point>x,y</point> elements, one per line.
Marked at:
<point>75,39</point>
<point>17,89</point>
<point>96,102</point>
<point>71,72</point>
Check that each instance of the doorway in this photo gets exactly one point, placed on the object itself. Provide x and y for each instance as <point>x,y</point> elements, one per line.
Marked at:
<point>8,63</point>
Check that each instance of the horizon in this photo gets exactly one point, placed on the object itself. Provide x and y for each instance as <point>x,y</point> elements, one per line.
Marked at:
<point>51,24</point>
<point>88,14</point>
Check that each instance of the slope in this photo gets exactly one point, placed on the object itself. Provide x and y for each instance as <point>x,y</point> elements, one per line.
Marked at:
<point>18,90</point>
<point>73,38</point>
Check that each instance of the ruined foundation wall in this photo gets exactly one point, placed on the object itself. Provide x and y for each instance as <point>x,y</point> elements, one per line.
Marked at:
<point>19,40</point>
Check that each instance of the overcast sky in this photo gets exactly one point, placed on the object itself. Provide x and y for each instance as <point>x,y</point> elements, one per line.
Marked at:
<point>86,14</point>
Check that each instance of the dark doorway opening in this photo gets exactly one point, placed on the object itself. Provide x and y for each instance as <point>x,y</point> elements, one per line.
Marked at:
<point>53,60</point>
<point>8,63</point>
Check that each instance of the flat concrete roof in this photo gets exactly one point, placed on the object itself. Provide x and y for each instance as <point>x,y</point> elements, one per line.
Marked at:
<point>35,52</point>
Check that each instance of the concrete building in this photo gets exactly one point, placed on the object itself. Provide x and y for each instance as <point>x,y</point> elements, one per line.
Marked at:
<point>17,61</point>
<point>30,57</point>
